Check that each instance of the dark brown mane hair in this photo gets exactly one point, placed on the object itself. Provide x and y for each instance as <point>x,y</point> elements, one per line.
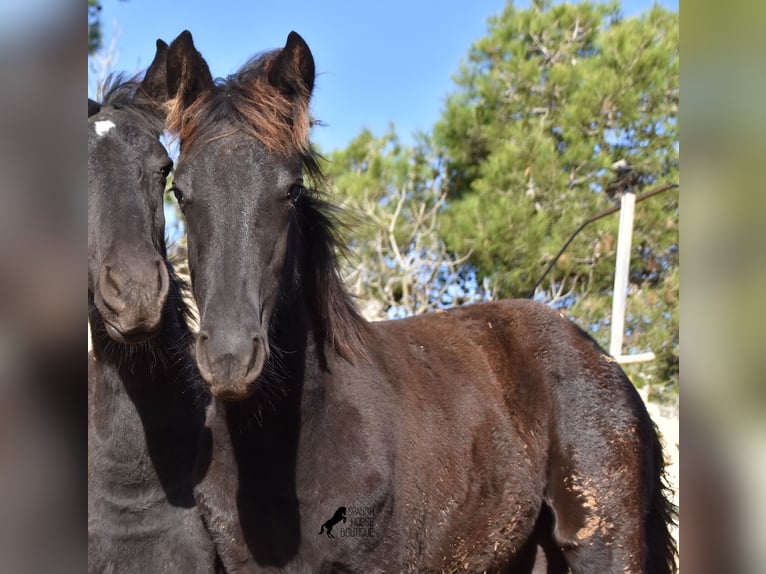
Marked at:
<point>334,313</point>
<point>279,121</point>
<point>127,93</point>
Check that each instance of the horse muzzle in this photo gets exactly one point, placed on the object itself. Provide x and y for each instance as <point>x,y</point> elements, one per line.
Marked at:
<point>131,301</point>
<point>230,361</point>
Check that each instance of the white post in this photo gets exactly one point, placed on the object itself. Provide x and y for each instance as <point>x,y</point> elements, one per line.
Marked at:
<point>624,238</point>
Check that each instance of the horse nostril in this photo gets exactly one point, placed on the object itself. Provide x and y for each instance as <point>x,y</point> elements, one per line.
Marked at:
<point>258,345</point>
<point>111,282</point>
<point>110,288</point>
<point>257,356</point>
<point>254,354</point>
<point>201,352</point>
<point>163,281</point>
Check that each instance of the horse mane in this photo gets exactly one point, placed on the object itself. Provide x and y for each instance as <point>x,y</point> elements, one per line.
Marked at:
<point>123,92</point>
<point>333,310</point>
<point>280,122</point>
<point>119,90</point>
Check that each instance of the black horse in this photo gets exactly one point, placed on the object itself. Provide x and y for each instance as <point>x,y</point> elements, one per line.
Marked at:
<point>480,436</point>
<point>144,412</point>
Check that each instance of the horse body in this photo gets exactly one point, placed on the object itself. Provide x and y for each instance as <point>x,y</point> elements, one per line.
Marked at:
<point>495,437</point>
<point>144,412</point>
<point>456,440</point>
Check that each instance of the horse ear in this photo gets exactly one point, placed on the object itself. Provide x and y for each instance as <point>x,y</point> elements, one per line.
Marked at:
<point>293,69</point>
<point>93,107</point>
<point>155,83</point>
<point>187,72</point>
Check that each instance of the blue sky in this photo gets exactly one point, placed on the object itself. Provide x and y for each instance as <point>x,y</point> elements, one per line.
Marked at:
<point>378,62</point>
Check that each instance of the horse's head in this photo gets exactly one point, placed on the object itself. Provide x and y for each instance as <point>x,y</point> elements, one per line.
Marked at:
<point>259,241</point>
<point>244,146</point>
<point>127,167</point>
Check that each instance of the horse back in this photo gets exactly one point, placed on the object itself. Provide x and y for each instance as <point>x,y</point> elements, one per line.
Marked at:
<point>472,420</point>
<point>516,386</point>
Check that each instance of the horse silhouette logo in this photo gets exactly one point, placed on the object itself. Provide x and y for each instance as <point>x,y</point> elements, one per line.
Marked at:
<point>339,515</point>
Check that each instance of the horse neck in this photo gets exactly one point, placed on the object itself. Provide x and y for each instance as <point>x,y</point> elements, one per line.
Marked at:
<point>145,406</point>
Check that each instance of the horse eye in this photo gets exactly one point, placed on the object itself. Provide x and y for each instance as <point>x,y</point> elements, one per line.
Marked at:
<point>295,193</point>
<point>179,195</point>
<point>166,169</point>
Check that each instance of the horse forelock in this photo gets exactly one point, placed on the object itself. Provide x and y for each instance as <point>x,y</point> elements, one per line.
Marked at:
<point>127,94</point>
<point>280,122</point>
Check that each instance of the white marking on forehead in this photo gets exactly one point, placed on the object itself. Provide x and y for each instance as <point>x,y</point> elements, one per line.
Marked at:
<point>104,126</point>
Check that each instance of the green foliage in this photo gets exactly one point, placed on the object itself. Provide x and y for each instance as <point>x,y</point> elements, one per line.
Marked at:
<point>94,26</point>
<point>546,103</point>
<point>399,265</point>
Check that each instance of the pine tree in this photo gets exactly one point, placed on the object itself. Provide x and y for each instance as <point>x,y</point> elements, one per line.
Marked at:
<point>545,105</point>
